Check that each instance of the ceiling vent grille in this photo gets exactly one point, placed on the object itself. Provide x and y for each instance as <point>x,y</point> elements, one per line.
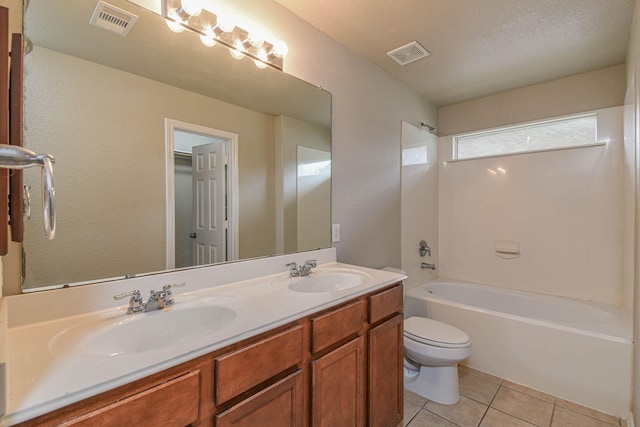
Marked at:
<point>112,19</point>
<point>408,53</point>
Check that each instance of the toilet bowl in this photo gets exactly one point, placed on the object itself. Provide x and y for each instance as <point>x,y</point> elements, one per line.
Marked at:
<point>432,350</point>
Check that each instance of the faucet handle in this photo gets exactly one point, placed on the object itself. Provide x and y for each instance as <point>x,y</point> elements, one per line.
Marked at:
<point>310,263</point>
<point>135,303</point>
<point>133,294</point>
<point>293,269</point>
<point>168,294</point>
<point>168,286</point>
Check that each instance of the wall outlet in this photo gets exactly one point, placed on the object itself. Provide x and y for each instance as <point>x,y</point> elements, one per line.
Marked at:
<point>335,233</point>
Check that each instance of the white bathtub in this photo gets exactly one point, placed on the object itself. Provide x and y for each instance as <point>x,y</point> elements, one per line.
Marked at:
<point>575,350</point>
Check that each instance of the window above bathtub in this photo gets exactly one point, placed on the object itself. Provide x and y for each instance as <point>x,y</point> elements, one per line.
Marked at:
<point>556,134</point>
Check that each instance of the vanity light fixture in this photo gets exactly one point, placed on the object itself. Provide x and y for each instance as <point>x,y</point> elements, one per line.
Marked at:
<point>213,29</point>
<point>191,7</point>
<point>174,22</point>
<point>208,38</point>
<point>237,50</point>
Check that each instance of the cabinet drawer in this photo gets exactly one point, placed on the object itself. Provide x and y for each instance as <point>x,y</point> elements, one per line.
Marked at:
<point>281,404</point>
<point>385,304</point>
<point>175,402</point>
<point>247,367</point>
<point>336,325</point>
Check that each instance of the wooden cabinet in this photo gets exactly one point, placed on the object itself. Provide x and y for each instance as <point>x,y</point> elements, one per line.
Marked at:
<point>175,402</point>
<point>249,366</point>
<point>346,388</point>
<point>385,376</point>
<point>384,304</point>
<point>385,385</point>
<point>330,328</point>
<point>281,404</point>
<point>338,367</point>
<point>337,386</point>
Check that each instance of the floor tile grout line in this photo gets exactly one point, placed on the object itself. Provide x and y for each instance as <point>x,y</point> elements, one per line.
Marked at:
<point>440,416</point>
<point>482,377</point>
<point>412,418</point>
<point>500,382</point>
<point>553,413</point>
<point>513,416</point>
<point>525,394</point>
<point>483,415</point>
<point>589,416</point>
<point>420,407</point>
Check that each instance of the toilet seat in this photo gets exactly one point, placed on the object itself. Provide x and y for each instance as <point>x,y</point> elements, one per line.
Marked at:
<point>434,333</point>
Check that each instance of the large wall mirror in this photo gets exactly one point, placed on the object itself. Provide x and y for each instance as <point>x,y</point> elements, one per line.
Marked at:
<point>132,121</point>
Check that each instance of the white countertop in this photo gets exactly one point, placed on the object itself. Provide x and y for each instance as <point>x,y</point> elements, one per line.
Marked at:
<point>44,375</point>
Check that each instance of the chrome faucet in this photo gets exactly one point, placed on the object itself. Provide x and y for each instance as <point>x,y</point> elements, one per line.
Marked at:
<point>296,270</point>
<point>157,300</point>
<point>427,266</point>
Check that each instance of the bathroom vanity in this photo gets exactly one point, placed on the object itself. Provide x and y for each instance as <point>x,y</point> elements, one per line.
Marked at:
<point>293,355</point>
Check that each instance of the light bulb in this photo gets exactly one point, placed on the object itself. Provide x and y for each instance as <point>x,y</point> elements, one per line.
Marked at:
<point>280,49</point>
<point>207,38</point>
<point>192,7</point>
<point>236,50</point>
<point>256,39</point>
<point>225,23</point>
<point>173,22</point>
<point>262,54</point>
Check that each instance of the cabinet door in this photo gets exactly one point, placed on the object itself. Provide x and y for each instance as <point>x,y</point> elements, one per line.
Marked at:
<point>385,373</point>
<point>337,393</point>
<point>174,403</point>
<point>280,405</point>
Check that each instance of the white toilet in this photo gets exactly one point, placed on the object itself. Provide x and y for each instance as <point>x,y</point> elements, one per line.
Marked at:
<point>432,351</point>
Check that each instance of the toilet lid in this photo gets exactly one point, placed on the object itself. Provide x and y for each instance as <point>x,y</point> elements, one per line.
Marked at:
<point>432,332</point>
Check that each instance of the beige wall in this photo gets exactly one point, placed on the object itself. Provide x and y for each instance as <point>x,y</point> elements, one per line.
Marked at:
<point>581,92</point>
<point>368,107</point>
<point>111,186</point>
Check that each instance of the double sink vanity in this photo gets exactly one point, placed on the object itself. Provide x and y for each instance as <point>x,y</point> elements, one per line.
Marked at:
<point>244,343</point>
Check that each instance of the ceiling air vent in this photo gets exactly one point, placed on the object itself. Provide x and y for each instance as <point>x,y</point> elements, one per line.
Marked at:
<point>112,18</point>
<point>408,53</point>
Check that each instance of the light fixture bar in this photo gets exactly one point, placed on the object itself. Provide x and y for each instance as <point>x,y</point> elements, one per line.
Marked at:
<point>217,29</point>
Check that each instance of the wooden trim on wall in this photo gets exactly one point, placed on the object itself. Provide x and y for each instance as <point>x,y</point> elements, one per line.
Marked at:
<point>16,205</point>
<point>4,126</point>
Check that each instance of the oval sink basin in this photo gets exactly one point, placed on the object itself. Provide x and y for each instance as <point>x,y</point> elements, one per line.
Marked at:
<point>327,280</point>
<point>143,332</point>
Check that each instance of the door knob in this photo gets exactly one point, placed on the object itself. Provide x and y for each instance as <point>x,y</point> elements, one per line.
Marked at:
<point>193,235</point>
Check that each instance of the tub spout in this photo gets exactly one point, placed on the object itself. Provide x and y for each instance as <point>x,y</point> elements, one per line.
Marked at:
<point>427,266</point>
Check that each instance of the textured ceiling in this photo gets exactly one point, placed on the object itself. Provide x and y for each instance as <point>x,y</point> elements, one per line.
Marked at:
<point>478,47</point>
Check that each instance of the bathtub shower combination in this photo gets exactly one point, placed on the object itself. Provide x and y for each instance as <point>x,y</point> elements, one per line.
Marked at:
<point>575,350</point>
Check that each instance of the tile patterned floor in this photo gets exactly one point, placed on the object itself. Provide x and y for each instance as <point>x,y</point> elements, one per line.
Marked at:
<point>489,401</point>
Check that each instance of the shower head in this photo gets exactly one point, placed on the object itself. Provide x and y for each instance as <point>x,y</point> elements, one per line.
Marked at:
<point>431,129</point>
